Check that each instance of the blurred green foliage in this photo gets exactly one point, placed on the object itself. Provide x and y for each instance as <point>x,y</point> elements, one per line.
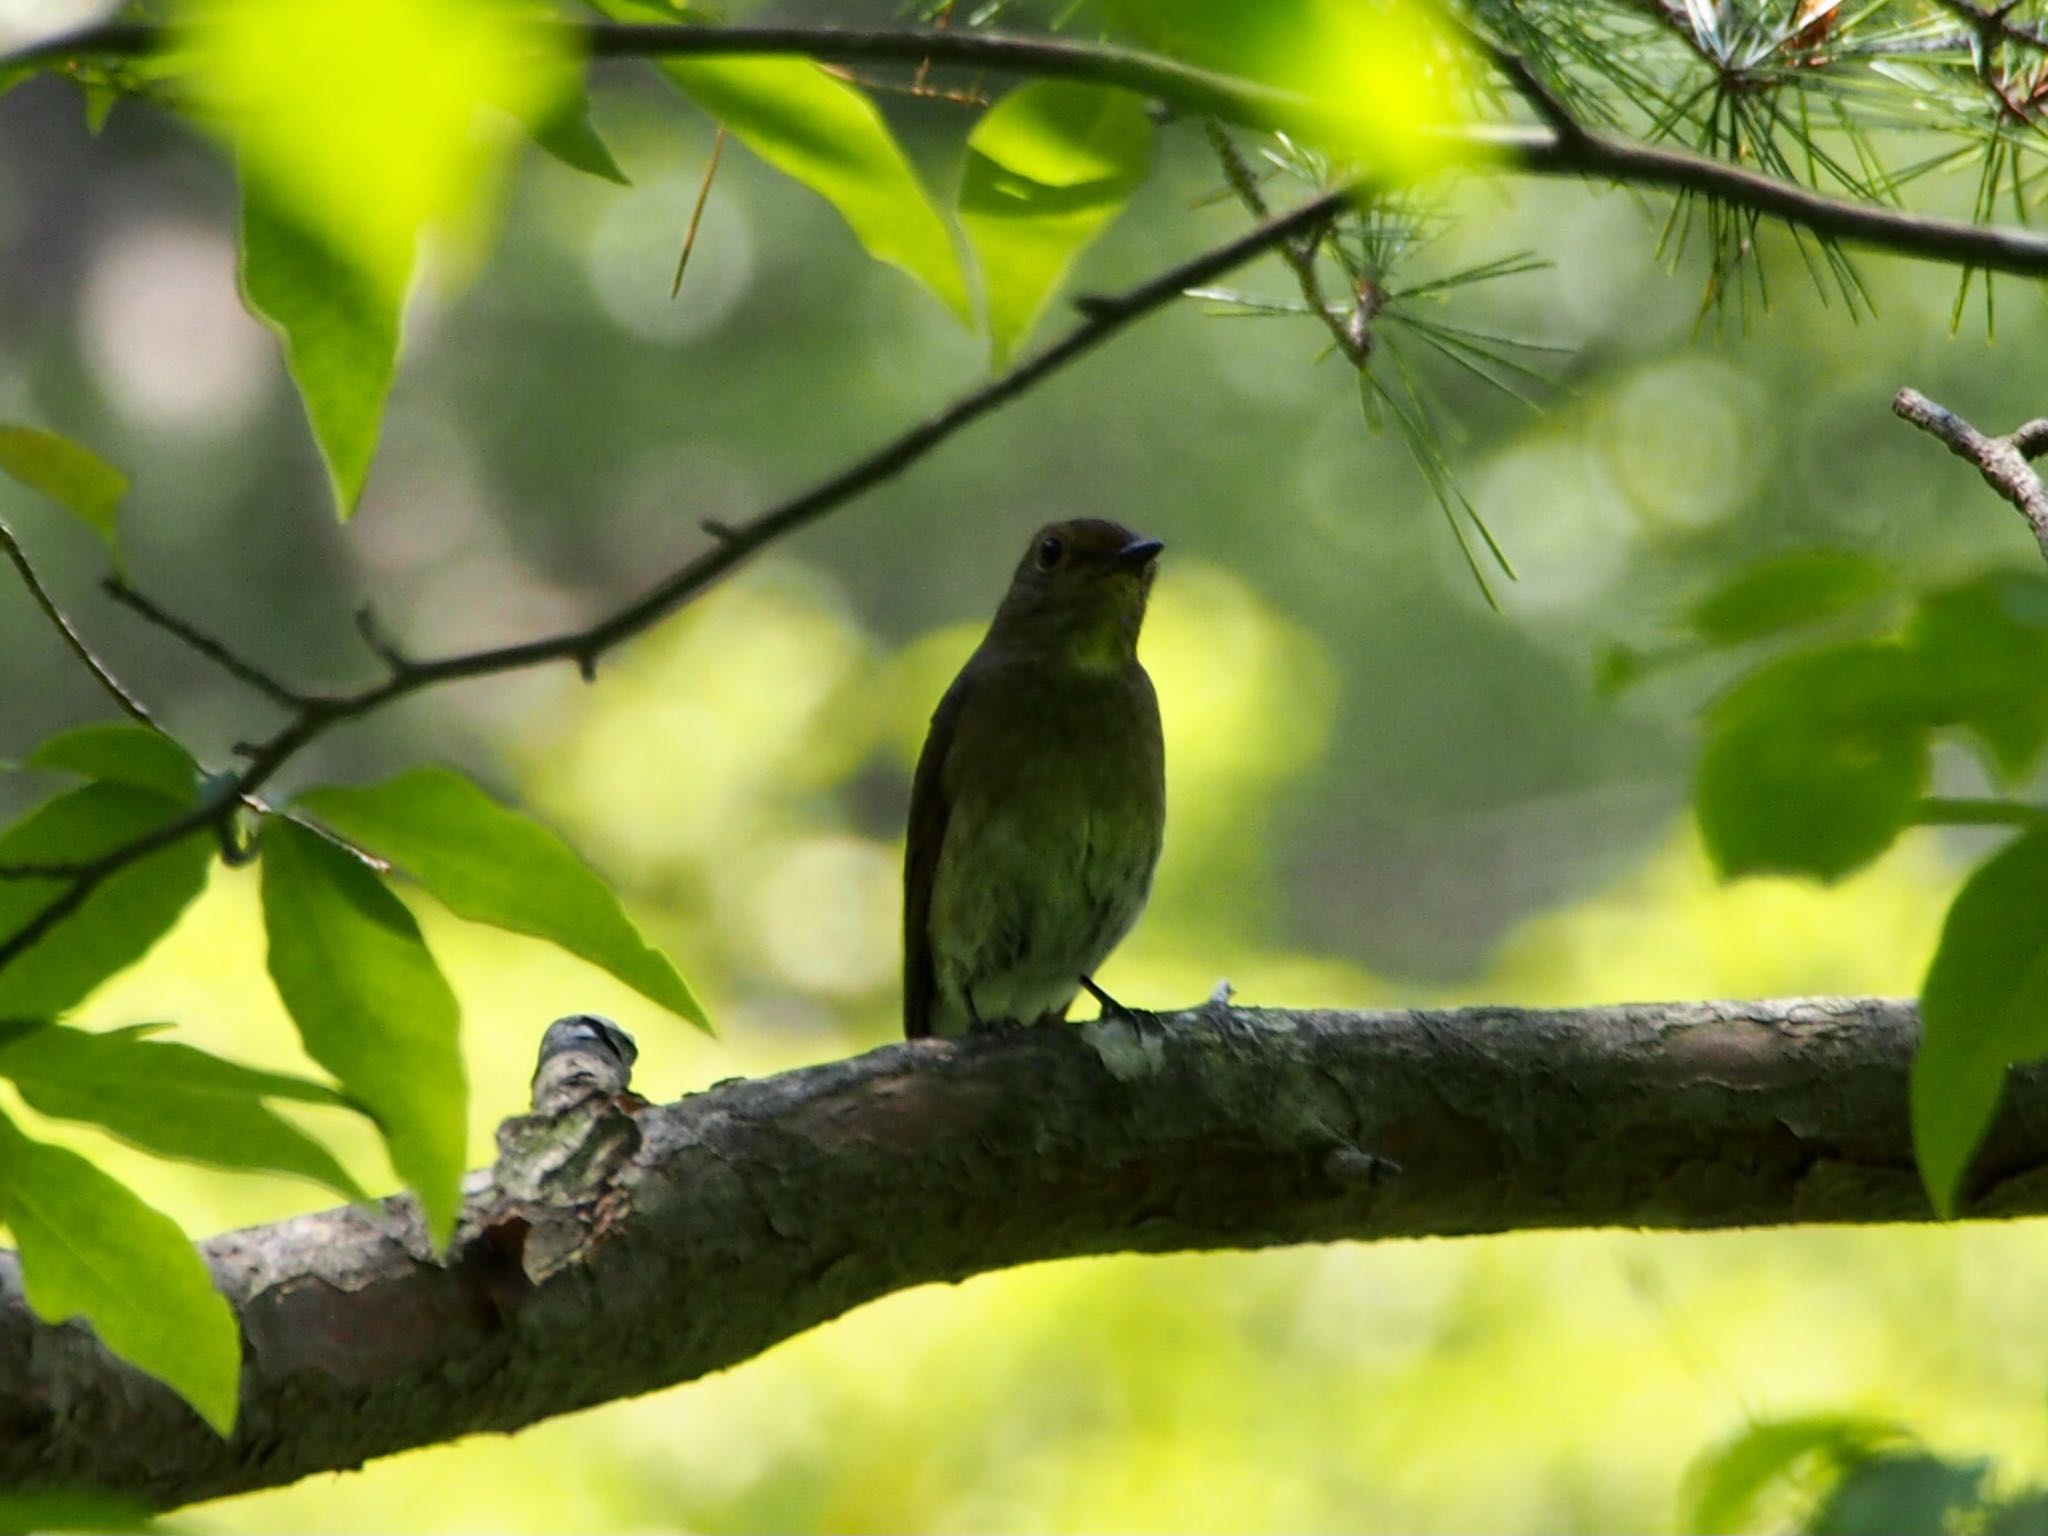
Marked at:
<point>1840,1475</point>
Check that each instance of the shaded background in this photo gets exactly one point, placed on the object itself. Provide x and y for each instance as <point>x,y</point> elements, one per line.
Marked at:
<point>1381,791</point>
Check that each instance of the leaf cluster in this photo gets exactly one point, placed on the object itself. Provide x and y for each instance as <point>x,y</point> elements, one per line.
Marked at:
<point>1818,758</point>
<point>1848,1475</point>
<point>355,975</point>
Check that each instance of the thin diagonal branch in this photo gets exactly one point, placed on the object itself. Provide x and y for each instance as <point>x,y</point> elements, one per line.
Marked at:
<point>2002,461</point>
<point>215,651</point>
<point>1103,318</point>
<point>73,640</point>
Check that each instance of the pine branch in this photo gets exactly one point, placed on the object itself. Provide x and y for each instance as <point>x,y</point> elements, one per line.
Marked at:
<point>1544,150</point>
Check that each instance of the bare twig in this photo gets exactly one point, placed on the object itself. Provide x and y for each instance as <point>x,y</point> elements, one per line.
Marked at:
<point>206,645</point>
<point>2002,461</point>
<point>697,211</point>
<point>73,640</point>
<point>916,87</point>
<point>314,716</point>
<point>381,644</point>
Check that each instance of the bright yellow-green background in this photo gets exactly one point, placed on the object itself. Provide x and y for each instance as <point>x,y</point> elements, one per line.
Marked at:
<point>1380,793</point>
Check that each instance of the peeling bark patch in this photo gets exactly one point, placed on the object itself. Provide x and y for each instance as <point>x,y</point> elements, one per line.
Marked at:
<point>897,1112</point>
<point>309,1325</point>
<point>558,1193</point>
<point>1126,1051</point>
<point>1742,1054</point>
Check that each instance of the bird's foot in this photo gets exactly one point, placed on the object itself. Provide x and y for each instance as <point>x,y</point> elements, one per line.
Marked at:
<point>980,1026</point>
<point>1140,1020</point>
<point>1130,1041</point>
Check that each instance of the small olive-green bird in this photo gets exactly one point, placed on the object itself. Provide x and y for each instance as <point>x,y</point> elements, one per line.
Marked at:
<point>1040,797</point>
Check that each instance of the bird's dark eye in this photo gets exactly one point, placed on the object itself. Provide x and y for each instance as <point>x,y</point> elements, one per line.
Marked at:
<point>1050,549</point>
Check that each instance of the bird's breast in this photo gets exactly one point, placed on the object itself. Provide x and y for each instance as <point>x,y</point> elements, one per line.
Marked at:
<point>1056,804</point>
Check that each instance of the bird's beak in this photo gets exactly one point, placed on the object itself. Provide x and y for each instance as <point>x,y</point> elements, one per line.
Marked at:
<point>1139,553</point>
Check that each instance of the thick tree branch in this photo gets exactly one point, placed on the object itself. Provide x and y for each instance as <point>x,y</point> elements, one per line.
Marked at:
<point>618,1249</point>
<point>2002,461</point>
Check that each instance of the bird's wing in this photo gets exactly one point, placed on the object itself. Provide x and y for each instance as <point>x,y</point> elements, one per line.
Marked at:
<point>929,810</point>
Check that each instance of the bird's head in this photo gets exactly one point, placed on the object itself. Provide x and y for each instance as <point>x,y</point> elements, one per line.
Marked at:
<point>1079,592</point>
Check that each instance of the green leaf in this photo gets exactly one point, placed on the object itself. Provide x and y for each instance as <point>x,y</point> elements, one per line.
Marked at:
<point>75,478</point>
<point>1788,592</point>
<point>340,334</point>
<point>371,1006</point>
<point>2024,1515</point>
<point>173,1100</point>
<point>1728,1484</point>
<point>99,104</point>
<point>1903,1493</point>
<point>492,865</point>
<point>1048,167</point>
<point>355,128</point>
<point>1984,649</point>
<point>122,918</point>
<point>1368,83</point>
<point>89,1247</point>
<point>1813,763</point>
<point>819,130</point>
<point>359,117</point>
<point>123,754</point>
<point>1618,666</point>
<point>1983,1006</point>
<point>566,132</point>
<point>71,1509</point>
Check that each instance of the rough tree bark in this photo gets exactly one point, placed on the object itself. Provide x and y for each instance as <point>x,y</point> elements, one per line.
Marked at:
<point>619,1247</point>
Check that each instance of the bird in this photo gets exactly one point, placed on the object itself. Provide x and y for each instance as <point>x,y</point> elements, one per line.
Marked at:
<point>1039,801</point>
